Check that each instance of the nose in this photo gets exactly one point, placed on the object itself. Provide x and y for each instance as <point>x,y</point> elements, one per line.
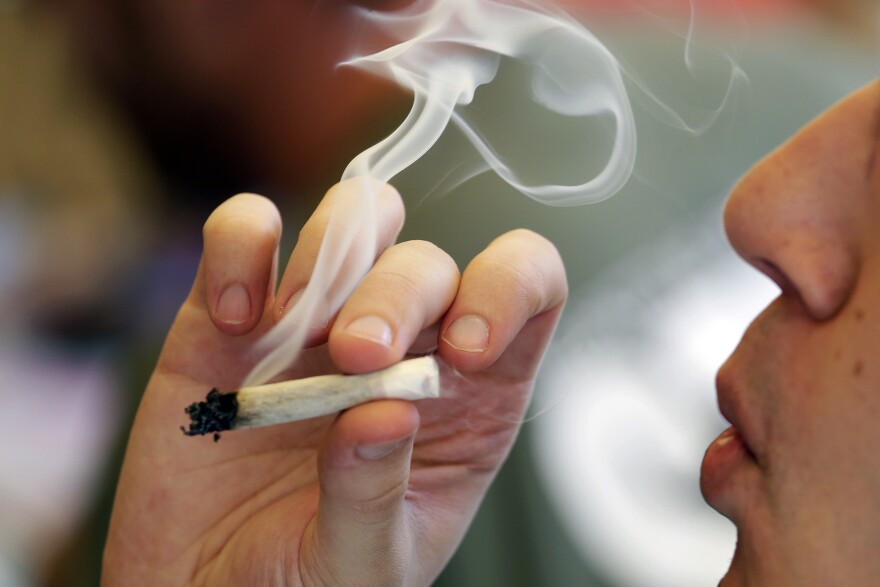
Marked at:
<point>797,215</point>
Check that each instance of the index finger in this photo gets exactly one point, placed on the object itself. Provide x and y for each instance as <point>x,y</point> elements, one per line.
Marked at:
<point>384,207</point>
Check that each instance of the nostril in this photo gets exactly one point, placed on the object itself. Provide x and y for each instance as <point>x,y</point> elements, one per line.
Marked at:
<point>822,286</point>
<point>771,270</point>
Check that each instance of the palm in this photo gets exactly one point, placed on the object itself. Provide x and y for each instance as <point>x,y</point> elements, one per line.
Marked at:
<point>258,489</point>
<point>243,511</point>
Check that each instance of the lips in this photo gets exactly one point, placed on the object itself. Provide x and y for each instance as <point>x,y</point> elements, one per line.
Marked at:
<point>735,411</point>
<point>725,472</point>
<point>730,462</point>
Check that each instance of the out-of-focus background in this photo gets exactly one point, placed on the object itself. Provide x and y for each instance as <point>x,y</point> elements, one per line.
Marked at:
<point>122,124</point>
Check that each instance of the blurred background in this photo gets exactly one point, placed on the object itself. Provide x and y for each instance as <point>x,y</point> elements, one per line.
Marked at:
<point>122,124</point>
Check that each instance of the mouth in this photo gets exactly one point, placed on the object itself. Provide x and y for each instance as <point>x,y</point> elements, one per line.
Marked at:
<point>731,441</point>
<point>734,410</point>
<point>730,460</point>
<point>733,434</point>
<point>725,471</point>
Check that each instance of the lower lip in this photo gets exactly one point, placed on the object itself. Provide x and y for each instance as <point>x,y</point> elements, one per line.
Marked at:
<point>723,457</point>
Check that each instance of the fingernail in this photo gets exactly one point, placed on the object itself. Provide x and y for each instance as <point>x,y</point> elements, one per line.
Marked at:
<point>371,328</point>
<point>469,333</point>
<point>234,305</point>
<point>374,452</point>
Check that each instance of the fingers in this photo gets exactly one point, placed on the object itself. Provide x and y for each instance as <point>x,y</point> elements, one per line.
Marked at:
<point>238,262</point>
<point>519,276</point>
<point>409,288</point>
<point>413,285</point>
<point>342,204</point>
<point>359,533</point>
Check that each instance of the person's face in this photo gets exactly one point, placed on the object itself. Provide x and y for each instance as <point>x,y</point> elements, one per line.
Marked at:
<point>799,473</point>
<point>256,80</point>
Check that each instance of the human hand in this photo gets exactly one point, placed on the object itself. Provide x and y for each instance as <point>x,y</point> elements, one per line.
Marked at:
<point>380,494</point>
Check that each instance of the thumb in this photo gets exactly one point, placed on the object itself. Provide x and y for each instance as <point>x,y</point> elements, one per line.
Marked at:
<point>360,533</point>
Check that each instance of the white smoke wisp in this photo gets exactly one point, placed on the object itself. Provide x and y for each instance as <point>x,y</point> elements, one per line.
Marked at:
<point>447,49</point>
<point>457,45</point>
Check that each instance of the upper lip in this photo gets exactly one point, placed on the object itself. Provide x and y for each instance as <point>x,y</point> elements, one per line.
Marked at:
<point>735,411</point>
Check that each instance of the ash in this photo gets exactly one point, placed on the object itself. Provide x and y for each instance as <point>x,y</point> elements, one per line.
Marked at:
<point>214,415</point>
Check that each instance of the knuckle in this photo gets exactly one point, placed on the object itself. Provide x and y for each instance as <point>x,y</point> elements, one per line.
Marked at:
<point>428,256</point>
<point>399,282</point>
<point>375,508</point>
<point>414,277</point>
<point>539,246</point>
<point>525,268</point>
<point>421,247</point>
<point>413,262</point>
<point>527,285</point>
<point>539,263</point>
<point>511,280</point>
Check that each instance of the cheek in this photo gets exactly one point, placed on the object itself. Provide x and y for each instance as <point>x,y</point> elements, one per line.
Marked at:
<point>853,405</point>
<point>822,399</point>
<point>825,427</point>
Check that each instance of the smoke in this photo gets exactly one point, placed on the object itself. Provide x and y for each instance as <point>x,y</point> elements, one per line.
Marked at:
<point>451,47</point>
<point>446,50</point>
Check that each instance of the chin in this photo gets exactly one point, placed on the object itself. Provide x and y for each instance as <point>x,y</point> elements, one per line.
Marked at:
<point>734,577</point>
<point>755,566</point>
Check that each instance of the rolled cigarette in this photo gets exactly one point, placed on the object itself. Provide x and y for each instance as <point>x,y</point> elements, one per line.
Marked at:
<point>288,401</point>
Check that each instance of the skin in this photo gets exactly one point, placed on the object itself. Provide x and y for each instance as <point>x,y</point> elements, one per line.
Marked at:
<point>800,473</point>
<point>378,495</point>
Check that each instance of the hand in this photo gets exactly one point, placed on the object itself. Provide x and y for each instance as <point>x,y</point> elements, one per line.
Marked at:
<point>380,494</point>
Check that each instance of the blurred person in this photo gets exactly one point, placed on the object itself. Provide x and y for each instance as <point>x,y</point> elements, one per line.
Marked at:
<point>70,177</point>
<point>229,95</point>
<point>71,183</point>
<point>857,19</point>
